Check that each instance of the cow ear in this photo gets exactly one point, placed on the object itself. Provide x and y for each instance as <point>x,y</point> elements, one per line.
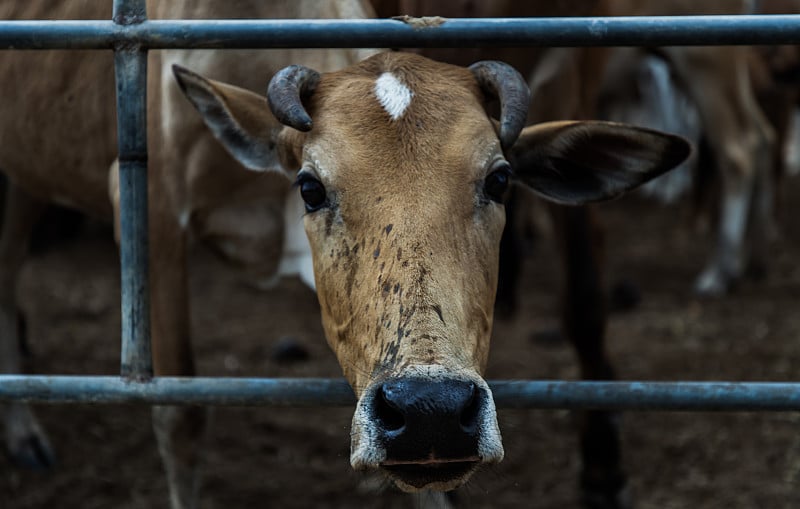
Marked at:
<point>239,119</point>
<point>573,163</point>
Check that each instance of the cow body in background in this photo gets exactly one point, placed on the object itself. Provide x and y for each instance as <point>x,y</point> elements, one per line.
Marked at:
<point>741,141</point>
<point>641,88</point>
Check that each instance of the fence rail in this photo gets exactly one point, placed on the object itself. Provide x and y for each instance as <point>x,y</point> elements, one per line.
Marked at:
<point>217,34</point>
<point>303,392</point>
<point>131,35</point>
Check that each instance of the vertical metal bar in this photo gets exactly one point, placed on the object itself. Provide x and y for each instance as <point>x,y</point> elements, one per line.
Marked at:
<point>130,66</point>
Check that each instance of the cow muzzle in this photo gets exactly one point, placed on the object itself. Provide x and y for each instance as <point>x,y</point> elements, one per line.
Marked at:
<point>426,429</point>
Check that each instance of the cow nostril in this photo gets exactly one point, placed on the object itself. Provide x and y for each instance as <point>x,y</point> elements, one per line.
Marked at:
<point>390,417</point>
<point>469,415</point>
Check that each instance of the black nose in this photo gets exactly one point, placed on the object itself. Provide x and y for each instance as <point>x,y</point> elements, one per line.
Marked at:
<point>421,419</point>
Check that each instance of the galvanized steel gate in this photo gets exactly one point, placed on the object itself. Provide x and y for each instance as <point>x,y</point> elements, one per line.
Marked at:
<point>130,35</point>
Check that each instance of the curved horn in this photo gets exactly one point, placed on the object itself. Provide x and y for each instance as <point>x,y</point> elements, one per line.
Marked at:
<point>285,93</point>
<point>502,81</point>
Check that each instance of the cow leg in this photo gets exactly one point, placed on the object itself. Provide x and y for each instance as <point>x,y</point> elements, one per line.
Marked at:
<point>26,441</point>
<point>603,483</point>
<point>179,430</point>
<point>717,80</point>
<point>762,228</point>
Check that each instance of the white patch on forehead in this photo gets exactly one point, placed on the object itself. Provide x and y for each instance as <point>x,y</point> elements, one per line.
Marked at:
<point>393,95</point>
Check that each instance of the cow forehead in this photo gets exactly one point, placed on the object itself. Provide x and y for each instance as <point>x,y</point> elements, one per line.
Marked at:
<point>401,112</point>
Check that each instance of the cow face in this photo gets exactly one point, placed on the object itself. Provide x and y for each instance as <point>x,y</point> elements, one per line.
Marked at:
<point>403,174</point>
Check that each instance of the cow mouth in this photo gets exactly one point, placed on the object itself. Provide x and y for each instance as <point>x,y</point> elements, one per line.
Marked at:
<point>437,474</point>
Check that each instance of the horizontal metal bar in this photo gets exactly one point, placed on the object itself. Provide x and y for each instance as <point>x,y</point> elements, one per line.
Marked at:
<point>177,391</point>
<point>385,33</point>
<point>698,396</point>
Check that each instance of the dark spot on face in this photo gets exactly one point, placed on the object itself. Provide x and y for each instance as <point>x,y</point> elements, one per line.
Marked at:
<point>386,289</point>
<point>388,228</point>
<point>422,276</point>
<point>390,357</point>
<point>377,252</point>
<point>405,263</point>
<point>351,279</point>
<point>396,287</point>
<point>399,253</point>
<point>328,224</point>
<point>379,199</point>
<point>438,309</point>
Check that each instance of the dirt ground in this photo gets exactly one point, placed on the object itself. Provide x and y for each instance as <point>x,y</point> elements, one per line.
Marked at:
<point>293,458</point>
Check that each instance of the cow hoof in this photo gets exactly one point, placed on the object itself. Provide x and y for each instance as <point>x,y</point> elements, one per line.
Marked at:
<point>713,283</point>
<point>26,441</point>
<point>33,452</point>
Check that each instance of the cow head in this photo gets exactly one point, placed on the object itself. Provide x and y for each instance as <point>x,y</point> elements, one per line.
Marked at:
<point>403,175</point>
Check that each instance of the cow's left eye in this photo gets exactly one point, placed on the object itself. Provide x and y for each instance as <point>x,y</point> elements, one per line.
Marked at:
<point>312,191</point>
<point>496,183</point>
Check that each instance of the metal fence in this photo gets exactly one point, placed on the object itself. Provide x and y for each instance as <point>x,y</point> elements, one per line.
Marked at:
<point>130,35</point>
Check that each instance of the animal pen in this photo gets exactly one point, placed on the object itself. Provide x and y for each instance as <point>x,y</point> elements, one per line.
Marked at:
<point>130,35</point>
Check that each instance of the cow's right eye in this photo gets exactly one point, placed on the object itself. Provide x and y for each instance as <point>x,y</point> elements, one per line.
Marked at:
<point>312,191</point>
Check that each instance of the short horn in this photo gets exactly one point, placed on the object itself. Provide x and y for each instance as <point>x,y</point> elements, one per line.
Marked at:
<point>286,92</point>
<point>502,81</point>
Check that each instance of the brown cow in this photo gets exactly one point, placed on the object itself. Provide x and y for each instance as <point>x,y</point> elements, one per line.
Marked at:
<point>59,134</point>
<point>403,175</point>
